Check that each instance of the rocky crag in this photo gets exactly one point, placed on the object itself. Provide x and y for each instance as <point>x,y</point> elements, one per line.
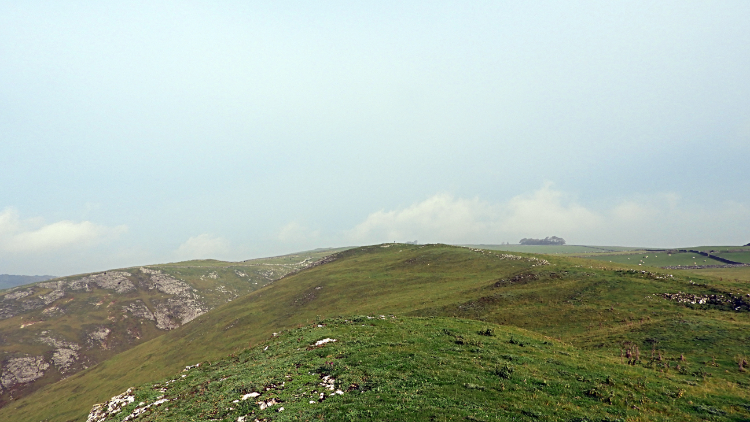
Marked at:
<point>53,329</point>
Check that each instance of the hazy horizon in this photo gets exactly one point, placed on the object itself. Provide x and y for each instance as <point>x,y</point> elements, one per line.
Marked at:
<point>149,132</point>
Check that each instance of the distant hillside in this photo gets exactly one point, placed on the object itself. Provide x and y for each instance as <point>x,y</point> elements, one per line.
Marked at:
<point>53,329</point>
<point>7,281</point>
<point>643,344</point>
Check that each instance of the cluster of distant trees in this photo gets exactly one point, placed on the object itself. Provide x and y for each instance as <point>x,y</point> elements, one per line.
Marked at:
<point>554,240</point>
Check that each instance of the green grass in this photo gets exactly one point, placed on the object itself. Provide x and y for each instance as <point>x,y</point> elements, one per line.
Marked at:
<point>594,307</point>
<point>657,259</point>
<point>720,248</point>
<point>743,257</point>
<point>738,276</point>
<point>555,249</point>
<point>415,369</point>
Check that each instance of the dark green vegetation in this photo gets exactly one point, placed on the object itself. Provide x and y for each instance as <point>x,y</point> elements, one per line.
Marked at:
<point>613,318</point>
<point>393,368</point>
<point>53,329</point>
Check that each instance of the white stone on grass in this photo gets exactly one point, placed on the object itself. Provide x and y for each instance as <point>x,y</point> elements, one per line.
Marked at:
<point>324,341</point>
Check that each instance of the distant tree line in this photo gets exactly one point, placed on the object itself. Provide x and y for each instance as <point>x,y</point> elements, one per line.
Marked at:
<point>554,240</point>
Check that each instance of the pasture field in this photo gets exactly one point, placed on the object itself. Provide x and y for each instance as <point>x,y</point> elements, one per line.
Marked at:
<point>680,329</point>
<point>743,257</point>
<point>554,249</point>
<point>657,259</point>
<point>720,249</point>
<point>738,275</point>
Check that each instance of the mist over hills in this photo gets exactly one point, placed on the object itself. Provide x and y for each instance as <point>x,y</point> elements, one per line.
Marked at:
<point>7,280</point>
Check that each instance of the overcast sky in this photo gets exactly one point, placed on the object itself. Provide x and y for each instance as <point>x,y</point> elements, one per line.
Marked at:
<point>144,132</point>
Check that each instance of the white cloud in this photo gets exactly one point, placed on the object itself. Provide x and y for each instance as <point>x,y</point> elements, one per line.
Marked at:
<point>297,232</point>
<point>544,213</point>
<point>439,217</point>
<point>33,236</point>
<point>204,246</point>
<point>443,218</point>
<point>656,220</point>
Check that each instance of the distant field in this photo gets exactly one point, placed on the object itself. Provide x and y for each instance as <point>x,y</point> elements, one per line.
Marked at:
<point>720,248</point>
<point>658,259</point>
<point>740,274</point>
<point>743,257</point>
<point>555,249</point>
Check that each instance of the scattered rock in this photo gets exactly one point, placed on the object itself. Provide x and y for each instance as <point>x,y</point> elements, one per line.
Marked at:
<point>166,283</point>
<point>66,353</point>
<point>23,370</point>
<point>172,313</point>
<point>100,336</point>
<point>322,342</point>
<point>18,294</point>
<point>101,411</point>
<point>139,310</point>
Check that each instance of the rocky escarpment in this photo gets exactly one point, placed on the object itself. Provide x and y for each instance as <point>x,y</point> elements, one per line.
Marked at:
<point>22,370</point>
<point>36,296</point>
<point>55,328</point>
<point>113,309</point>
<point>183,306</point>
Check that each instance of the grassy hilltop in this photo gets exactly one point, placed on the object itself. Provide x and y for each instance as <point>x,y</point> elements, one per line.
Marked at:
<point>685,356</point>
<point>402,368</point>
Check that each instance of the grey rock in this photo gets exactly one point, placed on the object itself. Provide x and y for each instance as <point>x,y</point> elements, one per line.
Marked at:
<point>23,370</point>
<point>139,310</point>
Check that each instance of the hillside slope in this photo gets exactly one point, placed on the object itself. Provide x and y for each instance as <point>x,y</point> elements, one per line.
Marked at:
<point>611,310</point>
<point>53,329</point>
<point>393,368</point>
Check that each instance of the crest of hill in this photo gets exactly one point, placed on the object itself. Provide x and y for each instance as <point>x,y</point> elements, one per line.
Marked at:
<point>591,305</point>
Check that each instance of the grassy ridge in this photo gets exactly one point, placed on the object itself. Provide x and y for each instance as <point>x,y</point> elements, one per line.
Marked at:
<point>427,369</point>
<point>595,306</point>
